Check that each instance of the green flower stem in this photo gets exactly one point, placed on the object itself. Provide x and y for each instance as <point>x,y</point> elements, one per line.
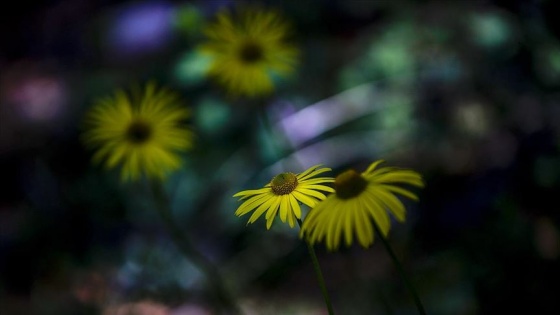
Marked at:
<point>268,127</point>
<point>319,274</point>
<point>184,244</point>
<point>400,269</point>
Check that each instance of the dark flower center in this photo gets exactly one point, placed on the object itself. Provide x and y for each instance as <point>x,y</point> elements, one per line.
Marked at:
<point>284,183</point>
<point>349,184</point>
<point>251,52</point>
<point>138,132</point>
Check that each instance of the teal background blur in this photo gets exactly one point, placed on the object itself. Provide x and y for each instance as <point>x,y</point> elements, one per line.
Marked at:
<point>464,92</point>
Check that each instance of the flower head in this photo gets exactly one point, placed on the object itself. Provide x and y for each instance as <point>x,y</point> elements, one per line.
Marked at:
<point>283,193</point>
<point>248,48</point>
<point>359,199</point>
<point>142,132</point>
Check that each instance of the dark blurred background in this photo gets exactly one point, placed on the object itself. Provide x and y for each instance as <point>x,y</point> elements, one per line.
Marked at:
<point>465,92</point>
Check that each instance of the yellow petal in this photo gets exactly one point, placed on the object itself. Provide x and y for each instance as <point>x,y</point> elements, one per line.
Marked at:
<point>261,209</point>
<point>392,203</point>
<point>372,167</point>
<point>284,207</point>
<point>400,191</point>
<point>310,202</point>
<point>251,203</point>
<point>310,192</point>
<point>295,206</point>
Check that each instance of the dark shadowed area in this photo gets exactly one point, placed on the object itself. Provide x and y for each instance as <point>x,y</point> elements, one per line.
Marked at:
<point>467,93</point>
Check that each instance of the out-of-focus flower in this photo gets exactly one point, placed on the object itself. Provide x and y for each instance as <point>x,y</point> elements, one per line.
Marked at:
<point>283,193</point>
<point>248,49</point>
<point>142,132</point>
<point>358,199</point>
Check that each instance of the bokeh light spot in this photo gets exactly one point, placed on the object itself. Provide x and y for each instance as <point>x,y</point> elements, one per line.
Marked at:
<point>140,28</point>
<point>38,98</point>
<point>192,67</point>
<point>489,29</point>
<point>212,115</point>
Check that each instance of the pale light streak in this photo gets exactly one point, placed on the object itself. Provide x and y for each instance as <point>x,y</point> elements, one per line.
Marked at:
<point>332,112</point>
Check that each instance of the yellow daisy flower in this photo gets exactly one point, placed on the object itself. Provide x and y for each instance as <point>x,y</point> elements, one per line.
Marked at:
<point>142,132</point>
<point>248,48</point>
<point>357,200</point>
<point>283,193</point>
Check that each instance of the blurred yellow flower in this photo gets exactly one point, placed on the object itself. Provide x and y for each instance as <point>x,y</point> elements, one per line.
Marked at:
<point>248,48</point>
<point>283,193</point>
<point>357,200</point>
<point>142,132</point>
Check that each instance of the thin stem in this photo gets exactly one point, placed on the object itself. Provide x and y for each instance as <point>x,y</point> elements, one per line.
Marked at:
<point>401,271</point>
<point>319,274</point>
<point>184,244</point>
<point>268,127</point>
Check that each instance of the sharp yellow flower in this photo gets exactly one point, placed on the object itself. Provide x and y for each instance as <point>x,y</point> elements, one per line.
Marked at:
<point>248,48</point>
<point>358,199</point>
<point>283,193</point>
<point>142,132</point>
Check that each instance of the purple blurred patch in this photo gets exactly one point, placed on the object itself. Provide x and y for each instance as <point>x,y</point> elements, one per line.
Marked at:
<point>140,28</point>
